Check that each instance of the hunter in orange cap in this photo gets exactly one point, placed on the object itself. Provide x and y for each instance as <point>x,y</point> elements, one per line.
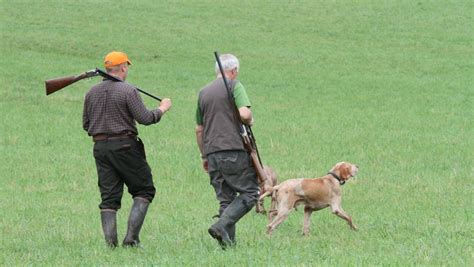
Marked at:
<point>112,109</point>
<point>116,58</point>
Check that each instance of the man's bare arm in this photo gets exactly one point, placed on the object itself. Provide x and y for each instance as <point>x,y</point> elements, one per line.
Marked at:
<point>246,115</point>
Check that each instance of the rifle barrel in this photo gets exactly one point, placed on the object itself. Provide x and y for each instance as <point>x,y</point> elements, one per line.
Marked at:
<point>242,127</point>
<point>110,77</point>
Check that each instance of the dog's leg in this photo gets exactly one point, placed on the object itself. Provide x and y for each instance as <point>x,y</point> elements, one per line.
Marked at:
<point>273,206</point>
<point>307,220</point>
<point>286,199</point>
<point>260,208</point>
<point>285,202</point>
<point>282,214</point>
<point>272,212</point>
<point>259,205</point>
<point>337,210</point>
<point>263,210</point>
<point>271,215</point>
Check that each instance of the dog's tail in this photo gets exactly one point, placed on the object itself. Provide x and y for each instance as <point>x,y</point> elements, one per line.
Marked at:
<point>264,195</point>
<point>268,192</point>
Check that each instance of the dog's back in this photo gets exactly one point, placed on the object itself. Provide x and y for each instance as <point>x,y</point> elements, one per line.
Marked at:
<point>318,191</point>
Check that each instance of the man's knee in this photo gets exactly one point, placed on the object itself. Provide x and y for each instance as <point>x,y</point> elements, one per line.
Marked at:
<point>110,204</point>
<point>147,193</point>
<point>148,197</point>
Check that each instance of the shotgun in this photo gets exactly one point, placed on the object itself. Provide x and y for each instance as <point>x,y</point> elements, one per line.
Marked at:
<point>57,84</point>
<point>245,132</point>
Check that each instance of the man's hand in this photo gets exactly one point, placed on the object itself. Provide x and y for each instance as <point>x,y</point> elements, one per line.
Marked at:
<point>205,165</point>
<point>165,105</point>
<point>205,162</point>
<point>251,122</point>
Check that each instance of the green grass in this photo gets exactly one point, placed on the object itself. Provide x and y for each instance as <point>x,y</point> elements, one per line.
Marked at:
<point>387,85</point>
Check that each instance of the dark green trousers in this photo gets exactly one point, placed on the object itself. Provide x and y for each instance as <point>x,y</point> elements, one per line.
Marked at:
<point>122,161</point>
<point>231,173</point>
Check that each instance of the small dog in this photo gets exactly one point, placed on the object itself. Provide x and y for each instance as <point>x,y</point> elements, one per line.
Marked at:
<point>315,194</point>
<point>269,183</point>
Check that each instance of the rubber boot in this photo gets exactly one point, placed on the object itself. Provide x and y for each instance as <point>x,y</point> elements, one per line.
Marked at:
<point>231,232</point>
<point>224,229</point>
<point>218,232</point>
<point>109,226</point>
<point>135,222</point>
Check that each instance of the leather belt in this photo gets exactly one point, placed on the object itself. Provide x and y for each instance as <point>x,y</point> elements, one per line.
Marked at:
<point>104,137</point>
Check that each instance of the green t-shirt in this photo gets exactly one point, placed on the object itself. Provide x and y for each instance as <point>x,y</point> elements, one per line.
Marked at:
<point>241,100</point>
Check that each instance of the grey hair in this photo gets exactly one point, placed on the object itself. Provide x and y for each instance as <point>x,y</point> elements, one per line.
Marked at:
<point>228,61</point>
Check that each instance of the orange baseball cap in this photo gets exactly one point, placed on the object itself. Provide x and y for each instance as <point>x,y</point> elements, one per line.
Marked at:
<point>116,58</point>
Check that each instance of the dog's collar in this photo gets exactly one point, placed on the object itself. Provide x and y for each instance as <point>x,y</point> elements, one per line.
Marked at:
<point>341,182</point>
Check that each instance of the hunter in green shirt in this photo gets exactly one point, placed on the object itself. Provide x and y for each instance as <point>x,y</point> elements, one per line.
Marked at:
<point>240,97</point>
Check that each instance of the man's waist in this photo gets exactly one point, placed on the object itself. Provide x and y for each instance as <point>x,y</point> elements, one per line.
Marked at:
<point>105,137</point>
<point>213,149</point>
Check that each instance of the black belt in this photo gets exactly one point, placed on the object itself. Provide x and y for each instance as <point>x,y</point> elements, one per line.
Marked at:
<point>103,137</point>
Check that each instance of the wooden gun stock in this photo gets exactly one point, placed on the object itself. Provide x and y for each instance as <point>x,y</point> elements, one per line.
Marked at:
<point>251,147</point>
<point>57,84</point>
<point>261,175</point>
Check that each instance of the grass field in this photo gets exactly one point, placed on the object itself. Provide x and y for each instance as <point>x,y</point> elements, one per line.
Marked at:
<point>387,85</point>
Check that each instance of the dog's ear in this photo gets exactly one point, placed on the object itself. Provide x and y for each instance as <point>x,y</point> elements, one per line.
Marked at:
<point>345,171</point>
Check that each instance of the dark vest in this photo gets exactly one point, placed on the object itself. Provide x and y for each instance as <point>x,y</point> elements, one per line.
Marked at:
<point>220,127</point>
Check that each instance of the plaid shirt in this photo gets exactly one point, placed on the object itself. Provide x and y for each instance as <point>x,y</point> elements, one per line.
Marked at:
<point>113,107</point>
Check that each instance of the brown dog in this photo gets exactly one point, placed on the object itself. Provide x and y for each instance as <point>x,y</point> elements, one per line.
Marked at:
<point>315,194</point>
<point>270,182</point>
